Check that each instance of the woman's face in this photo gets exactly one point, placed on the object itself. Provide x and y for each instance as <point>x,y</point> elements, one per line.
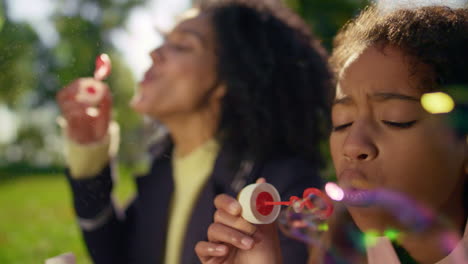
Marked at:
<point>182,79</point>
<point>383,138</point>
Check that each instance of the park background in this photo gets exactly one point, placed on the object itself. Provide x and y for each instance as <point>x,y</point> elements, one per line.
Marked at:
<point>45,44</point>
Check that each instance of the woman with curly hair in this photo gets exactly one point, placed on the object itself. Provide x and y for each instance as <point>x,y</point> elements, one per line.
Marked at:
<point>385,141</point>
<point>241,90</point>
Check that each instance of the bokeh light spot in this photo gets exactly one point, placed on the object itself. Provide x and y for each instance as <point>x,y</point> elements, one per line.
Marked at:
<point>392,234</point>
<point>334,191</point>
<point>323,227</point>
<point>437,103</point>
<point>370,238</point>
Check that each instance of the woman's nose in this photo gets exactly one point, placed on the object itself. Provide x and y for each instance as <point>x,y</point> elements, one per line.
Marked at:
<point>156,54</point>
<point>359,144</point>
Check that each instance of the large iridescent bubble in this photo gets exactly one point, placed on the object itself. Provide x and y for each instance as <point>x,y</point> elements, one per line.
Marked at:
<point>307,219</point>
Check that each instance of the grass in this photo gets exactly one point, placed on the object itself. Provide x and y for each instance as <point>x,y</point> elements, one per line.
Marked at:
<point>37,220</point>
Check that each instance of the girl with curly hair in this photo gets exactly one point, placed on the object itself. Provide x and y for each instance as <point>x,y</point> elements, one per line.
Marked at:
<point>241,89</point>
<point>384,139</point>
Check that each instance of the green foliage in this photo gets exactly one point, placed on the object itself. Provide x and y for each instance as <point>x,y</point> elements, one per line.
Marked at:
<point>79,45</point>
<point>132,145</point>
<point>32,72</point>
<point>18,45</point>
<point>326,17</point>
<point>2,16</point>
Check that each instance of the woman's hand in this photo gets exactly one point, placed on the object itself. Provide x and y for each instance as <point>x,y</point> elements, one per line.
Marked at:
<point>86,123</point>
<point>234,240</point>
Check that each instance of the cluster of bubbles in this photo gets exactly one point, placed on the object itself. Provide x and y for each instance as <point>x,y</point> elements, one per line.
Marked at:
<point>306,219</point>
<point>309,223</point>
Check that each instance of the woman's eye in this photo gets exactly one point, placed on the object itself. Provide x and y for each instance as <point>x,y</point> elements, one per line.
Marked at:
<point>175,45</point>
<point>341,127</point>
<point>399,124</point>
<point>178,47</point>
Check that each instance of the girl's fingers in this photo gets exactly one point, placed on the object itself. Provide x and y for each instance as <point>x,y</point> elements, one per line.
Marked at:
<point>236,222</point>
<point>224,234</point>
<point>261,180</point>
<point>228,204</point>
<point>206,250</point>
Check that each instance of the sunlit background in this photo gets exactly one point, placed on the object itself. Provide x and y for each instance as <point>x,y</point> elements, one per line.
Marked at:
<point>45,44</point>
<point>131,39</point>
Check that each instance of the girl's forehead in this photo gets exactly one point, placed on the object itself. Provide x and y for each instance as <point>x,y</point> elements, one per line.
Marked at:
<point>378,70</point>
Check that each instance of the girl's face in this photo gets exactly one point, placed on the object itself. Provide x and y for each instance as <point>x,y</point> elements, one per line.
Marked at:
<point>383,138</point>
<point>182,79</point>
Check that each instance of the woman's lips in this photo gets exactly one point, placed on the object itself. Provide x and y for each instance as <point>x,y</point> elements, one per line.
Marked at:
<point>148,77</point>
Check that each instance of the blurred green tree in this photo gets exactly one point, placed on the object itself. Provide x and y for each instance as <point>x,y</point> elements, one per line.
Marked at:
<point>326,17</point>
<point>33,72</point>
<point>17,45</point>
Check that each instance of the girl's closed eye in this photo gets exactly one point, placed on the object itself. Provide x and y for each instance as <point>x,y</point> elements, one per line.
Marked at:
<point>402,125</point>
<point>341,127</point>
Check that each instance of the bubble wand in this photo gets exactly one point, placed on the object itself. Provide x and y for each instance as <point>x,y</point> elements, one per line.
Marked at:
<point>91,93</point>
<point>261,203</point>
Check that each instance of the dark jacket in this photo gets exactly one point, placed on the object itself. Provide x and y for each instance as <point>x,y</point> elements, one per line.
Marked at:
<point>139,234</point>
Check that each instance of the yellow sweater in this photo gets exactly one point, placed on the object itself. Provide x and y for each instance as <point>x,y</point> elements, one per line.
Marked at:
<point>190,174</point>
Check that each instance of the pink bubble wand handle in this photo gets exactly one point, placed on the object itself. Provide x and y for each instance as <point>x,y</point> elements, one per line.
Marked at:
<point>103,67</point>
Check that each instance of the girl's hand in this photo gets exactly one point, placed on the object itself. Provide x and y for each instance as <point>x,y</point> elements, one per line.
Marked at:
<point>86,122</point>
<point>231,239</point>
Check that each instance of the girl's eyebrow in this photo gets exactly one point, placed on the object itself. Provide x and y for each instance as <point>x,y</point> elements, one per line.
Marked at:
<point>385,96</point>
<point>380,96</point>
<point>345,100</point>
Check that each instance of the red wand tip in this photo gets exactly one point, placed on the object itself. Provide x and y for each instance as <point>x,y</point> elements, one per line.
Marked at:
<point>103,67</point>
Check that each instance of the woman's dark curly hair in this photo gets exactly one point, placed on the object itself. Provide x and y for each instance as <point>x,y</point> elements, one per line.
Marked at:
<point>277,80</point>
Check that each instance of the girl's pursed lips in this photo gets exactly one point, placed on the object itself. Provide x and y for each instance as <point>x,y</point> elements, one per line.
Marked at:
<point>354,178</point>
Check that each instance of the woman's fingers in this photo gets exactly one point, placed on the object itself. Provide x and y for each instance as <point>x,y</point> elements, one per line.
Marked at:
<point>220,233</point>
<point>236,222</point>
<point>228,204</point>
<point>68,92</point>
<point>105,104</point>
<point>88,113</point>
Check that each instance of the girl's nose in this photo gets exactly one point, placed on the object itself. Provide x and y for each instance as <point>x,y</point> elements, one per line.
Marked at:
<point>359,144</point>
